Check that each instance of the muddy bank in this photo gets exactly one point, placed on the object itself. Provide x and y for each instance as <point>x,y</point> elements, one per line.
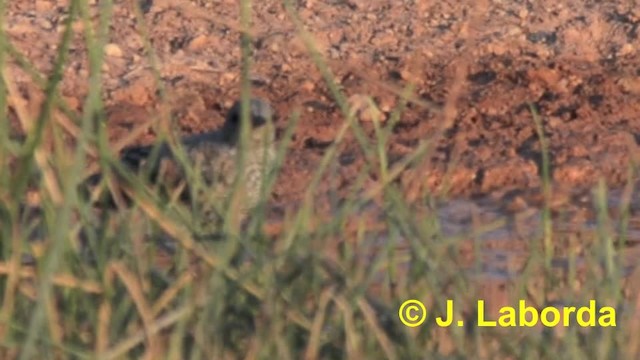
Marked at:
<point>576,62</point>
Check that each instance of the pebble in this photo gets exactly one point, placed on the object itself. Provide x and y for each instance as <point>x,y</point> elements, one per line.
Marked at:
<point>363,109</point>
<point>198,42</point>
<point>113,50</point>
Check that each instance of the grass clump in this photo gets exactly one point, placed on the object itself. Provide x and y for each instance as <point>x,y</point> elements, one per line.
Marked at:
<point>134,282</point>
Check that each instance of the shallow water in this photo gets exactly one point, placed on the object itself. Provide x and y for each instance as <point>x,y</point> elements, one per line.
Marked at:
<point>494,243</point>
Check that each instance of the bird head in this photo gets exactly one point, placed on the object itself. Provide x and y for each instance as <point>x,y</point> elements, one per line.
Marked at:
<point>260,121</point>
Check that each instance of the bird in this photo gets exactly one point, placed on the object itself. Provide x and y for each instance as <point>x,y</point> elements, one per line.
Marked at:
<point>214,158</point>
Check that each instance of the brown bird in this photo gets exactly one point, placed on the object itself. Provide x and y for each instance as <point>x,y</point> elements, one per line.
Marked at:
<point>213,157</point>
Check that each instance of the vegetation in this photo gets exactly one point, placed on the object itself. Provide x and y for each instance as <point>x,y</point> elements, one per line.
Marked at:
<point>134,283</point>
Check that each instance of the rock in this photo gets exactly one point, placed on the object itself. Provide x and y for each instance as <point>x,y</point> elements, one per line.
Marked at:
<point>199,42</point>
<point>113,50</point>
<point>364,108</point>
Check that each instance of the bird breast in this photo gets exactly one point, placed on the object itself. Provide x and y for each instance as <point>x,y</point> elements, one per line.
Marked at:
<point>217,165</point>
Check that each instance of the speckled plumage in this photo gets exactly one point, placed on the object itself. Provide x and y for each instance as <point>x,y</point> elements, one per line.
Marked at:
<point>214,158</point>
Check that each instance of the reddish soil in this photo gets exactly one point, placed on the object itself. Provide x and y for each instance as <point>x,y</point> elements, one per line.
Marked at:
<point>475,65</point>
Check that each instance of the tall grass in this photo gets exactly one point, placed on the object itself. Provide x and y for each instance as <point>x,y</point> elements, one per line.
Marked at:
<point>104,285</point>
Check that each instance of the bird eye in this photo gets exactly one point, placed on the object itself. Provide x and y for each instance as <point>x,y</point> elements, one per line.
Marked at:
<point>259,112</point>
<point>257,121</point>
